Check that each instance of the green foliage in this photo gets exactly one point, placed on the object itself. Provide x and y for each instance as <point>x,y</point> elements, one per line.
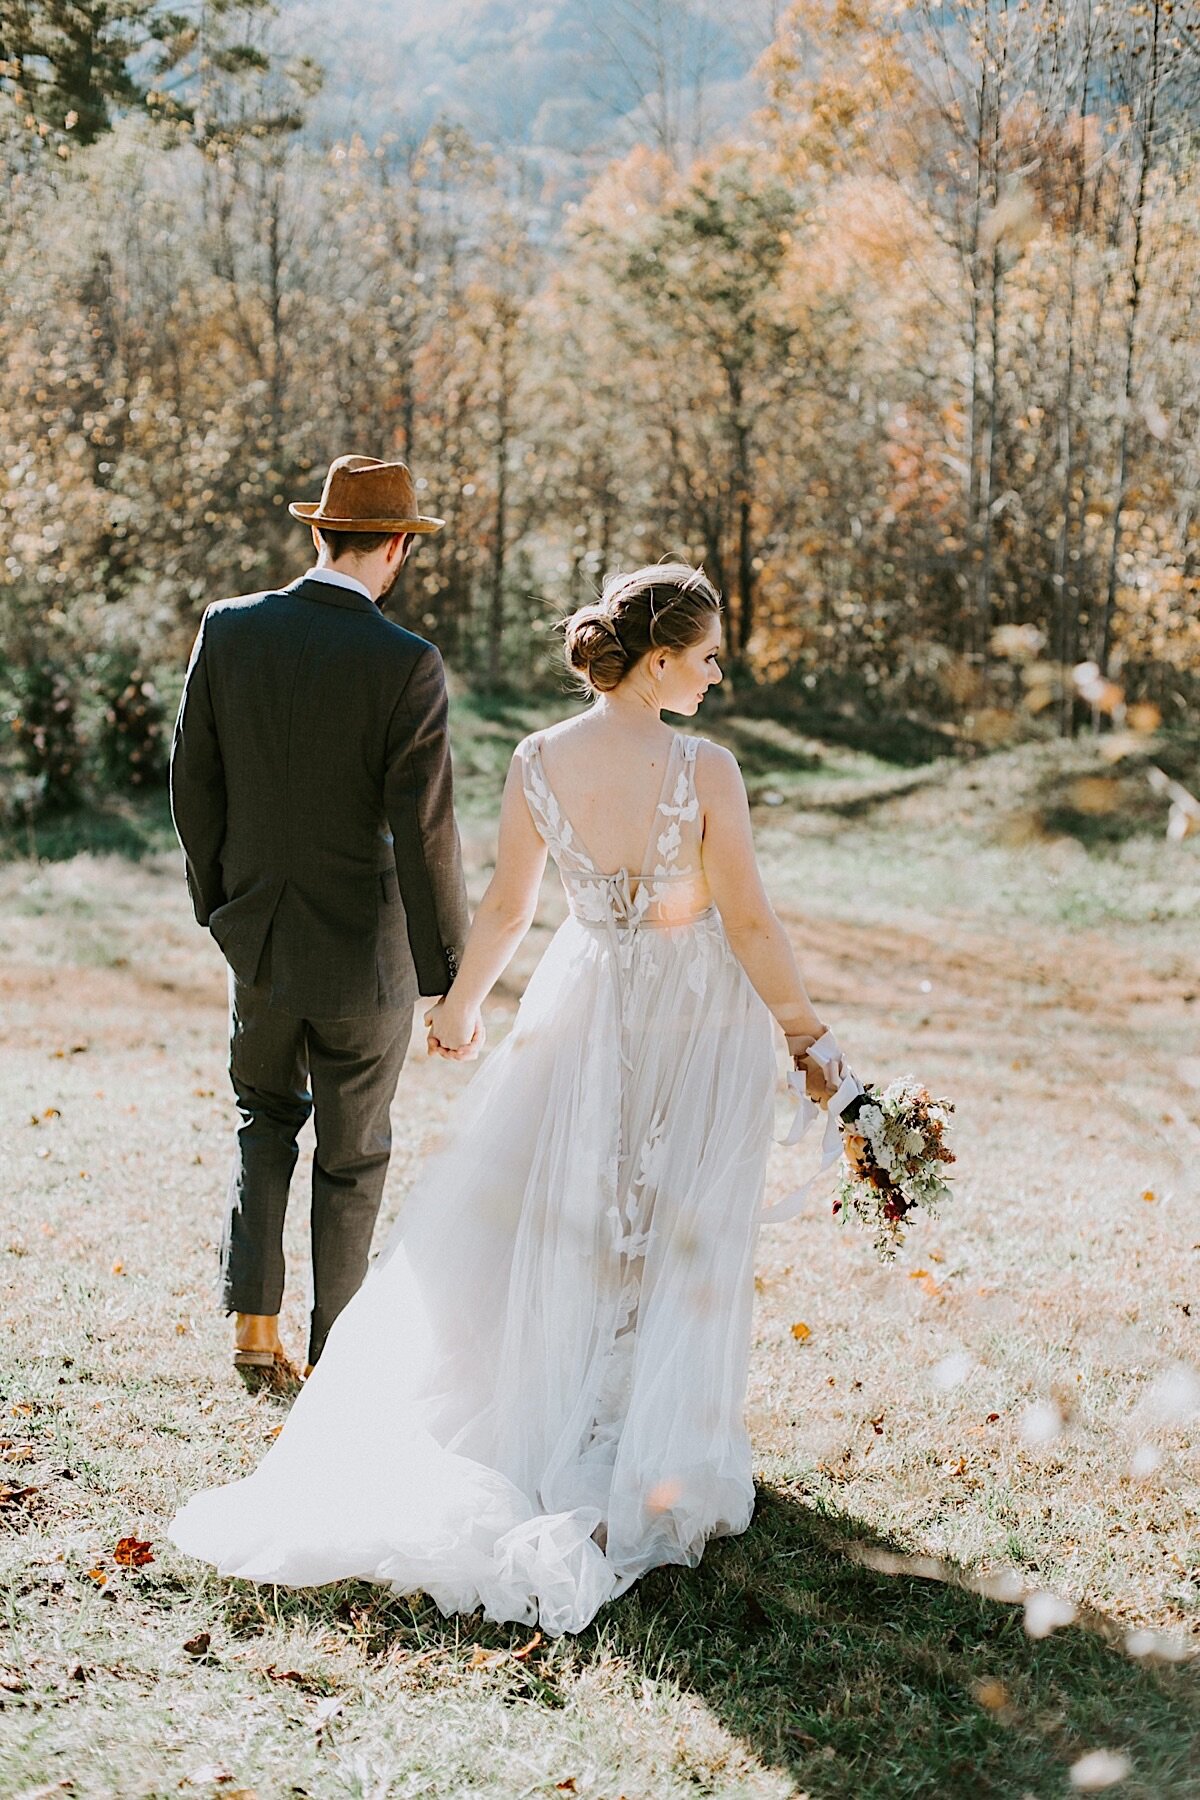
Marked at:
<point>72,59</point>
<point>44,730</point>
<point>132,741</point>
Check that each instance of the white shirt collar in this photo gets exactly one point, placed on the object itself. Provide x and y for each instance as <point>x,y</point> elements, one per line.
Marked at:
<point>337,579</point>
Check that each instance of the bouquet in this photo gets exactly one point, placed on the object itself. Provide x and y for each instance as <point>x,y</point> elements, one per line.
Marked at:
<point>890,1143</point>
<point>894,1151</point>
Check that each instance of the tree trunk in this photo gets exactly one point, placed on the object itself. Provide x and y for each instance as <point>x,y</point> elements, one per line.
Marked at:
<point>1132,317</point>
<point>500,519</point>
<point>742,504</point>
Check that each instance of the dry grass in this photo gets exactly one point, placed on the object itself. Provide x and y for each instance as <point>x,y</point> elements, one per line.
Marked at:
<point>1047,987</point>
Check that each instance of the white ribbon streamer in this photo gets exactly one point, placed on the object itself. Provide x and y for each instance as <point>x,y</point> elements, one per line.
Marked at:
<point>828,1053</point>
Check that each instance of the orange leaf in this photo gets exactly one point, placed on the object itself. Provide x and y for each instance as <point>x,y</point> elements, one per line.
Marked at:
<point>132,1553</point>
<point>527,1649</point>
<point>99,1576</point>
<point>801,1331</point>
<point>1149,1194</point>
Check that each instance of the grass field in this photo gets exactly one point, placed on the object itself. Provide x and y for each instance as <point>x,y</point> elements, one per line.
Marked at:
<point>1010,1411</point>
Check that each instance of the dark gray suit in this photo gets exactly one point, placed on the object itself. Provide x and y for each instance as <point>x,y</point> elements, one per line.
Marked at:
<point>311,789</point>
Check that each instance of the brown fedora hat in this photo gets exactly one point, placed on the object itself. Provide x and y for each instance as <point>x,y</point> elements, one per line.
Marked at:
<point>361,494</point>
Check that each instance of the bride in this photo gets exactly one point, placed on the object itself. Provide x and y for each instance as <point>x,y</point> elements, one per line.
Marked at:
<point>538,1392</point>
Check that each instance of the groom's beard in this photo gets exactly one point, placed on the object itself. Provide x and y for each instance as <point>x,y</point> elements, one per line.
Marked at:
<point>389,590</point>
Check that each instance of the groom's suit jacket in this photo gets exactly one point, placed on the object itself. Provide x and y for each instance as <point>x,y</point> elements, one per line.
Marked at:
<point>311,789</point>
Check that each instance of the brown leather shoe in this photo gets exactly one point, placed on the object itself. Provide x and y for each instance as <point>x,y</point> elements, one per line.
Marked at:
<point>268,1371</point>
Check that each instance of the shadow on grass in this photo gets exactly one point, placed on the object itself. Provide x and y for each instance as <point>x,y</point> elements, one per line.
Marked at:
<point>133,828</point>
<point>1099,807</point>
<point>871,726</point>
<point>857,1685</point>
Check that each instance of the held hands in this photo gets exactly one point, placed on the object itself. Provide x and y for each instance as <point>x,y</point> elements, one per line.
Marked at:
<point>455,1032</point>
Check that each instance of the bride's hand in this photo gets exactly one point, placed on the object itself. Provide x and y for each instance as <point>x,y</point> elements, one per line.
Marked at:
<point>817,1085</point>
<point>454,1031</point>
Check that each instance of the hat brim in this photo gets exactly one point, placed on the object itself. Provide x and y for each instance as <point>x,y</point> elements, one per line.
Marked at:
<point>309,513</point>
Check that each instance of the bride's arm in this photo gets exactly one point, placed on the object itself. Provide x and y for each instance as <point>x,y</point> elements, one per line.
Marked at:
<point>501,920</point>
<point>756,936</point>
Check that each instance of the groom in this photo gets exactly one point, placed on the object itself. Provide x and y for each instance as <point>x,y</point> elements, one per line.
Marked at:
<point>311,791</point>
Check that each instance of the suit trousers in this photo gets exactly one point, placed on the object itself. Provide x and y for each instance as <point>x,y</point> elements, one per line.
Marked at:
<point>284,1068</point>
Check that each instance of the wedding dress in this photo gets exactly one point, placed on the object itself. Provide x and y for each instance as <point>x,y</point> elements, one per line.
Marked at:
<point>537,1394</point>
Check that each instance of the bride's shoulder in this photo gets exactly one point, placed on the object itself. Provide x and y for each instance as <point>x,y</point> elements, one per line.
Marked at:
<point>531,747</point>
<point>714,760</point>
<point>718,774</point>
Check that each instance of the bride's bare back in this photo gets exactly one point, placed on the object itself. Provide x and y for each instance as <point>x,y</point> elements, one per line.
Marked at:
<point>608,782</point>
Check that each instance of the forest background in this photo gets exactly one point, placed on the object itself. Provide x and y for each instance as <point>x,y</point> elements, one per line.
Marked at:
<point>884,310</point>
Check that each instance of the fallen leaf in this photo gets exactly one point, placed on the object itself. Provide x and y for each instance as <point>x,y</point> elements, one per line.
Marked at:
<point>118,1268</point>
<point>198,1645</point>
<point>132,1553</point>
<point>1149,1195</point>
<point>991,1694</point>
<point>13,1497</point>
<point>527,1649</point>
<point>99,1576</point>
<point>485,1659</point>
<point>566,1787</point>
<point>801,1331</point>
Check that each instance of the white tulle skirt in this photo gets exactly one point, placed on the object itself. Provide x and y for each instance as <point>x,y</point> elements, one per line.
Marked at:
<point>538,1392</point>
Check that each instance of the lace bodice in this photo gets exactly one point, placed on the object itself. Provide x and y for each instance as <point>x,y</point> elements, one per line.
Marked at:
<point>670,889</point>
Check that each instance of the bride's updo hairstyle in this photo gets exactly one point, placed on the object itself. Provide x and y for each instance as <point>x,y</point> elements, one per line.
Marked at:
<point>668,606</point>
